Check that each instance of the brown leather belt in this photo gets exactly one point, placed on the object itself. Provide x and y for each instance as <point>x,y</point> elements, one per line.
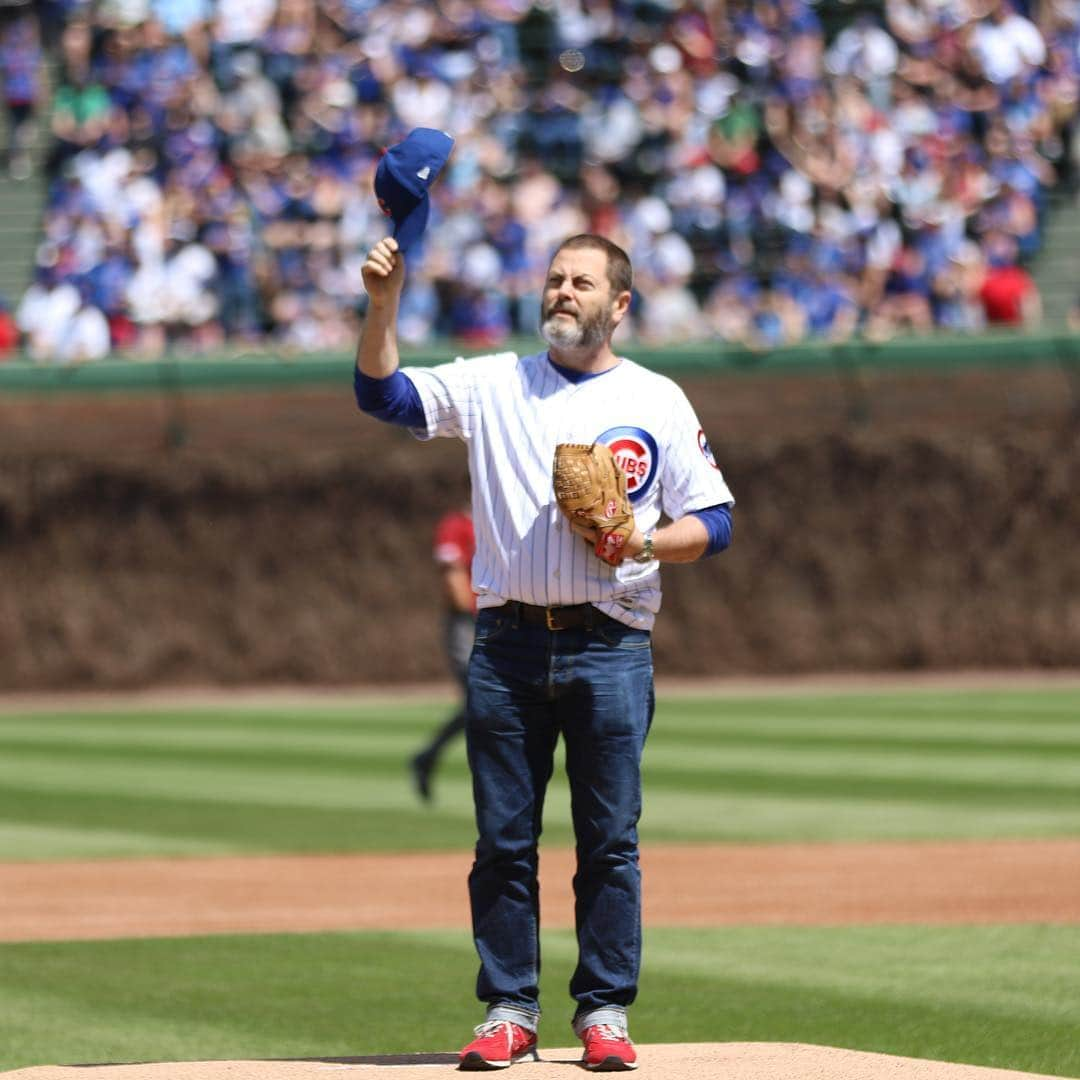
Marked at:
<point>556,618</point>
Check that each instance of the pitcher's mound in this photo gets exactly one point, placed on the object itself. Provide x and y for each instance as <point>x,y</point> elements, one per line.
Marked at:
<point>674,1061</point>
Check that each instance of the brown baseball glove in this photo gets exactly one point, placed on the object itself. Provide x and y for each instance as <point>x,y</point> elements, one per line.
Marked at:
<point>591,489</point>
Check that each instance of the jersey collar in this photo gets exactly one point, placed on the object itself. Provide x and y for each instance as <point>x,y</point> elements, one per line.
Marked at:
<point>575,376</point>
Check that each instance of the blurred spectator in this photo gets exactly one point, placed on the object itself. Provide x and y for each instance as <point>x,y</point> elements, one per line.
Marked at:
<point>61,323</point>
<point>958,289</point>
<point>20,69</point>
<point>44,313</point>
<point>1006,44</point>
<point>80,110</point>
<point>1008,292</point>
<point>180,18</point>
<point>1074,316</point>
<point>672,313</point>
<point>212,161</point>
<point>9,331</point>
<point>85,335</point>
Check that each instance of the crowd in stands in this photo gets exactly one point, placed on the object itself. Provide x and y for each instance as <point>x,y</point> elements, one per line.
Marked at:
<point>211,162</point>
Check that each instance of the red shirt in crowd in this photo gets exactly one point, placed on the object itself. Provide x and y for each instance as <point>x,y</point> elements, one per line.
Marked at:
<point>1003,293</point>
<point>9,336</point>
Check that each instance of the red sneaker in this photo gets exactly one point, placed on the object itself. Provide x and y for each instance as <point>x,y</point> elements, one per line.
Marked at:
<point>608,1049</point>
<point>498,1043</point>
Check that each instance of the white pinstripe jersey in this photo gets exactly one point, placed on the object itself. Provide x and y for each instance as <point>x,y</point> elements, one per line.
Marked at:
<point>511,413</point>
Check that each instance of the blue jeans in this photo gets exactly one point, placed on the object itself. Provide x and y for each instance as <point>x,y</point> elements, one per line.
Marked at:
<point>528,684</point>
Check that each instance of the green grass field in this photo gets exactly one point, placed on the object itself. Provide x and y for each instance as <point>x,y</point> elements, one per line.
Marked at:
<point>333,777</point>
<point>988,995</point>
<point>328,777</point>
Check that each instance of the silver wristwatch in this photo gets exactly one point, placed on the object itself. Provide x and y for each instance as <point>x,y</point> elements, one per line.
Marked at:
<point>645,555</point>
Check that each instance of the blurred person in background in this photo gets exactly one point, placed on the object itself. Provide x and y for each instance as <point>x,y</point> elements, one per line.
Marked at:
<point>1073,317</point>
<point>80,110</point>
<point>9,331</point>
<point>44,311</point>
<point>1008,292</point>
<point>85,336</point>
<point>455,545</point>
<point>20,69</point>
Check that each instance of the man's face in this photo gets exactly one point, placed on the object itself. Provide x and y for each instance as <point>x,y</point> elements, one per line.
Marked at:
<point>577,311</point>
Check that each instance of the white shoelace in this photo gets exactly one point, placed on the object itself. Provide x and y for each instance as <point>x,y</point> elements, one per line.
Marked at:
<point>493,1027</point>
<point>611,1033</point>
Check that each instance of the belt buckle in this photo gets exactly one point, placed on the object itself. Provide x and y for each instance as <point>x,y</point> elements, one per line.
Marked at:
<point>547,619</point>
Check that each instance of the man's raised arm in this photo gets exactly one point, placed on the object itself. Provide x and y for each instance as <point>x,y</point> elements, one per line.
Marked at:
<point>381,389</point>
<point>384,275</point>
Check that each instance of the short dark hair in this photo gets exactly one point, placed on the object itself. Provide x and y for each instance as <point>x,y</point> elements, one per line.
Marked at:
<point>620,274</point>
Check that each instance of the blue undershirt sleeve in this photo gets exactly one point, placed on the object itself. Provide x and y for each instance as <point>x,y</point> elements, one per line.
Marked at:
<point>717,519</point>
<point>394,399</point>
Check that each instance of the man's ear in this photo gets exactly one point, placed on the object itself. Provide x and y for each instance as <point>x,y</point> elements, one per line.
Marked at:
<point>620,306</point>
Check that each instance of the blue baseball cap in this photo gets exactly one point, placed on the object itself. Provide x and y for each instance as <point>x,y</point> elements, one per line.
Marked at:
<point>403,177</point>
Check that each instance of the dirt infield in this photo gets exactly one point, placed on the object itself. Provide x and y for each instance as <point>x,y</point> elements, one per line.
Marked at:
<point>672,1061</point>
<point>699,885</point>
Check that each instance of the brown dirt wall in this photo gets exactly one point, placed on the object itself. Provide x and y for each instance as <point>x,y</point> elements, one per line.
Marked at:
<point>884,522</point>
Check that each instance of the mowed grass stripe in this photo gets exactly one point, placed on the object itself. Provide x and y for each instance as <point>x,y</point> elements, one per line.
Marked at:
<point>324,744</point>
<point>34,840</point>
<point>210,826</point>
<point>374,753</point>
<point>377,756</point>
<point>946,737</point>
<point>673,817</point>
<point>228,997</point>
<point>224,740</point>
<point>886,785</point>
<point>215,828</point>
<point>341,718</point>
<point>917,991</point>
<point>237,782</point>
<point>1044,743</point>
<point>913,706</point>
<point>728,723</point>
<point>866,726</point>
<point>999,767</point>
<point>372,780</point>
<point>1039,714</point>
<point>902,963</point>
<point>336,779</point>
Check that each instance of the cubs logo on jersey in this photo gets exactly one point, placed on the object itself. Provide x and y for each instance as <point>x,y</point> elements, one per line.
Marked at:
<point>706,449</point>
<point>634,450</point>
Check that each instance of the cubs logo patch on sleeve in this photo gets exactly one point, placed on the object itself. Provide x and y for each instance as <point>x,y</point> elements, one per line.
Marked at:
<point>706,450</point>
<point>635,453</point>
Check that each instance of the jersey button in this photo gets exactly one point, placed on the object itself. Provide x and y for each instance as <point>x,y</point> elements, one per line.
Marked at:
<point>555,573</point>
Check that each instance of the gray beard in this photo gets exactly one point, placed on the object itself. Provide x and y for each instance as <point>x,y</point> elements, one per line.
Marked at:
<point>588,335</point>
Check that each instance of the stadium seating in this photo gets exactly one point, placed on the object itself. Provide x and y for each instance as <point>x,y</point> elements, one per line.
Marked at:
<point>778,170</point>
